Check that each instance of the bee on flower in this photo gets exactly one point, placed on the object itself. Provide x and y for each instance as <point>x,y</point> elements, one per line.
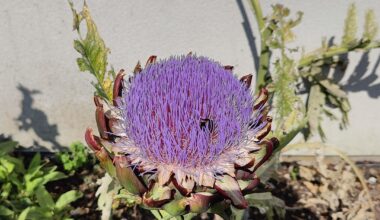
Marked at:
<point>183,134</point>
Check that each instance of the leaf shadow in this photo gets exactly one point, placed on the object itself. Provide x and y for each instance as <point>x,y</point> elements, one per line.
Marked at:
<point>32,118</point>
<point>361,79</point>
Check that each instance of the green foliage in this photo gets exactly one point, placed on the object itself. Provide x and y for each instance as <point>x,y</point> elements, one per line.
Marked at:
<point>281,26</point>
<point>23,194</point>
<point>284,82</point>
<point>46,208</point>
<point>284,76</point>
<point>330,94</point>
<point>290,79</point>
<point>77,157</point>
<point>93,53</point>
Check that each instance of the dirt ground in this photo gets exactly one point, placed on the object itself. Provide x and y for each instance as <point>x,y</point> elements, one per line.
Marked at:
<point>310,190</point>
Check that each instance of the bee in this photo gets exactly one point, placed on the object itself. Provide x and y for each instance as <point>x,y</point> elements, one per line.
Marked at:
<point>207,123</point>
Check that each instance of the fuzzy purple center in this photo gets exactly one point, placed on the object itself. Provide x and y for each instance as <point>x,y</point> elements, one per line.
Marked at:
<point>186,111</point>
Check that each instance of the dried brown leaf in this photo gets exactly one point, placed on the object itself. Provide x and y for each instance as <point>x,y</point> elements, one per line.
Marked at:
<point>306,173</point>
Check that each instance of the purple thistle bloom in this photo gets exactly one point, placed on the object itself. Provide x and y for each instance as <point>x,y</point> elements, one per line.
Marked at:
<point>187,113</point>
<point>180,125</point>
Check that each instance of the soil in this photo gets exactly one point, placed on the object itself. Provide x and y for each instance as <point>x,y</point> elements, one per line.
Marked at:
<point>289,188</point>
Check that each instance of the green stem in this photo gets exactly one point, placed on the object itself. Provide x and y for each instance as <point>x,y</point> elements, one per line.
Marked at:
<point>156,213</point>
<point>333,51</point>
<point>265,52</point>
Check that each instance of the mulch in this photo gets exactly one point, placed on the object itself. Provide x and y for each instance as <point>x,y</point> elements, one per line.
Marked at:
<point>310,190</point>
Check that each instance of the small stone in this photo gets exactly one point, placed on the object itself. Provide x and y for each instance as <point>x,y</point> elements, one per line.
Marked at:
<point>372,180</point>
<point>373,172</point>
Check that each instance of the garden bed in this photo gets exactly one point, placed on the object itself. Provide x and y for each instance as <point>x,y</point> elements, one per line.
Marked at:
<point>309,191</point>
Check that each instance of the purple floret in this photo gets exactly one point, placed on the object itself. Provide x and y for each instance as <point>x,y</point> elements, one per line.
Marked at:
<point>186,111</point>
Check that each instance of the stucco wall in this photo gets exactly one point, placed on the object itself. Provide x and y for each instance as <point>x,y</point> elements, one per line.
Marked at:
<point>46,101</point>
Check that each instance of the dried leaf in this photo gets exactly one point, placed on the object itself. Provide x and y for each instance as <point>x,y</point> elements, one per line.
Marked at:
<point>108,188</point>
<point>311,187</point>
<point>333,88</point>
<point>306,173</point>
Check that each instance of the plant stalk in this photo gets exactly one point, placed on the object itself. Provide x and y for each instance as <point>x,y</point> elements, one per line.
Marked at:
<point>331,52</point>
<point>265,52</point>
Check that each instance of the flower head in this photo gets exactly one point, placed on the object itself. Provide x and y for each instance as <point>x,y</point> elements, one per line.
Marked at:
<point>185,113</point>
<point>185,123</point>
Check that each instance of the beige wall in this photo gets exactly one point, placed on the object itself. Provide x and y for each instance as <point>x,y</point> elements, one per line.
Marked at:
<point>44,94</point>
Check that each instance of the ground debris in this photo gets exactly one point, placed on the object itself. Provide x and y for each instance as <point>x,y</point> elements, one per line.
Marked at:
<point>331,191</point>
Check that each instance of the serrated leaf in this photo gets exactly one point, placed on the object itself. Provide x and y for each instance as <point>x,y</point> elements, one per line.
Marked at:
<point>78,46</point>
<point>44,198</point>
<point>82,64</point>
<point>350,27</point>
<point>93,52</point>
<point>97,50</point>
<point>65,199</point>
<point>284,80</point>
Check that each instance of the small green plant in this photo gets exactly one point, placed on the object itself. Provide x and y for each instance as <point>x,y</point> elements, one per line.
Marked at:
<point>23,194</point>
<point>77,157</point>
<point>47,208</point>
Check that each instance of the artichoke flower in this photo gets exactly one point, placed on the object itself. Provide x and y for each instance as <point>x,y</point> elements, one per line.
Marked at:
<point>183,134</point>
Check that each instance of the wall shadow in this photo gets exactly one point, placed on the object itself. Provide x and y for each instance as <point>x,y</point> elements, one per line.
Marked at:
<point>249,34</point>
<point>32,118</point>
<point>360,81</point>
